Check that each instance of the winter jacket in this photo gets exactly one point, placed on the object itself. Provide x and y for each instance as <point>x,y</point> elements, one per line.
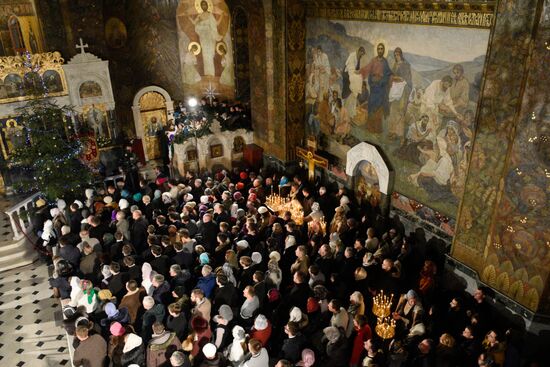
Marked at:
<point>161,348</point>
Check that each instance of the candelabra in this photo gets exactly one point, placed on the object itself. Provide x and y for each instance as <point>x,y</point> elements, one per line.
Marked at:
<point>381,307</point>
<point>385,327</point>
<point>276,202</point>
<point>381,304</point>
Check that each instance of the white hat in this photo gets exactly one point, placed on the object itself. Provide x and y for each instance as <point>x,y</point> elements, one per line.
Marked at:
<point>54,212</point>
<point>209,350</point>
<point>65,229</point>
<point>123,204</point>
<point>61,204</point>
<point>89,193</point>
<point>262,210</point>
<point>204,199</point>
<point>274,255</point>
<point>261,322</point>
<point>242,243</point>
<point>107,200</point>
<point>79,203</point>
<point>295,314</point>
<point>256,257</point>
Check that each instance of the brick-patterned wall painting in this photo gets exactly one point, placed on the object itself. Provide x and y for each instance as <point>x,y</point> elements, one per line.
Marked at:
<point>503,221</point>
<point>518,254</point>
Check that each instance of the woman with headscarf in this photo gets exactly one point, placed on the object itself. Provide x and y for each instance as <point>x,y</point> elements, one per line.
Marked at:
<point>147,275</point>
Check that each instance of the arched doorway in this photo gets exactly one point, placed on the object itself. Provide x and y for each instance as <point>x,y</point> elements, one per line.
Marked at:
<point>153,108</point>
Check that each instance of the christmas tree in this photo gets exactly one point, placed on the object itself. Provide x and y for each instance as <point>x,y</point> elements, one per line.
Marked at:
<point>49,161</point>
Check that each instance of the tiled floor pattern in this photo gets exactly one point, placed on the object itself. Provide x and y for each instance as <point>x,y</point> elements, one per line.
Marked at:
<point>30,320</point>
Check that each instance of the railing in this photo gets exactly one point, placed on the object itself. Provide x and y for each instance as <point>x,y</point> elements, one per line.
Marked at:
<point>19,215</point>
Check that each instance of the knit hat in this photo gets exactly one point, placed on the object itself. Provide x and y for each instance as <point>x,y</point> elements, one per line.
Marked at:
<point>137,197</point>
<point>260,323</point>
<point>225,313</point>
<point>256,257</point>
<point>107,200</point>
<point>295,314</point>
<point>262,210</point>
<point>242,243</point>
<point>40,203</point>
<point>105,295</point>
<point>332,333</point>
<point>178,359</point>
<point>243,175</point>
<point>239,186</point>
<point>117,329</point>
<point>274,255</point>
<point>110,309</point>
<point>312,305</point>
<point>125,194</point>
<point>209,350</point>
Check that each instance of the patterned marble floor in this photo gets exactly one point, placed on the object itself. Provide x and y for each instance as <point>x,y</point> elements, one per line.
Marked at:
<point>30,320</point>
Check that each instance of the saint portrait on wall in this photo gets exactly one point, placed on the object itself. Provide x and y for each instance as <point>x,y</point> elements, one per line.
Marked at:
<point>204,34</point>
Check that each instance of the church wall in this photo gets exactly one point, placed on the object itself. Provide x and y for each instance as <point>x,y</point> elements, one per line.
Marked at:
<point>503,224</point>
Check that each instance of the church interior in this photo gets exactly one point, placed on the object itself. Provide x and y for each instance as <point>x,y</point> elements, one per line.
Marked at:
<point>275,183</point>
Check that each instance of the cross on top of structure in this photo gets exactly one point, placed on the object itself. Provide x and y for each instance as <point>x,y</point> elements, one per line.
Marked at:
<point>82,46</point>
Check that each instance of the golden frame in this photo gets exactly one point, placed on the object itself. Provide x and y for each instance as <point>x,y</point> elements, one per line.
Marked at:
<point>49,61</point>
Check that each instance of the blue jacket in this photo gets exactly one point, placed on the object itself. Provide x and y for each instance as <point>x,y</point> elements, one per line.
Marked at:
<point>207,284</point>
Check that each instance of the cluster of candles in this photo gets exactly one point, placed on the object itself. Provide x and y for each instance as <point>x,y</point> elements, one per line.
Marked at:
<point>276,202</point>
<point>381,307</point>
<point>321,223</point>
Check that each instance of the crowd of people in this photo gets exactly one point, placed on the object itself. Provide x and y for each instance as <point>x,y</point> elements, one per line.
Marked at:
<point>201,272</point>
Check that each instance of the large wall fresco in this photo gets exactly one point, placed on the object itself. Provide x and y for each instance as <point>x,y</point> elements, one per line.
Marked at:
<point>205,47</point>
<point>411,89</point>
<point>503,224</point>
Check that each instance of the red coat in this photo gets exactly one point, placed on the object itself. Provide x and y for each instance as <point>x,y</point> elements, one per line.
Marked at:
<point>361,337</point>
<point>262,335</point>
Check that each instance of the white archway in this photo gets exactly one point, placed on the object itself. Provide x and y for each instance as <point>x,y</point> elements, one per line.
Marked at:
<point>138,124</point>
<point>368,152</point>
<point>136,109</point>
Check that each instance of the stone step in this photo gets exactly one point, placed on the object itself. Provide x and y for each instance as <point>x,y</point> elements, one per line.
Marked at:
<point>16,254</point>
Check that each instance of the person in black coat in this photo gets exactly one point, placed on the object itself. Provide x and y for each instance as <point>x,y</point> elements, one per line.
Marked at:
<point>75,218</point>
<point>69,253</point>
<point>117,283</point>
<point>177,322</point>
<point>160,263</point>
<point>299,293</point>
<point>138,231</point>
<point>293,345</point>
<point>182,257</point>
<point>225,293</point>
<point>208,231</point>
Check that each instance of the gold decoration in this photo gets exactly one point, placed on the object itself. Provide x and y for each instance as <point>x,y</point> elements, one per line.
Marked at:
<point>385,327</point>
<point>191,45</point>
<point>152,101</point>
<point>381,304</point>
<point>221,48</point>
<point>43,62</point>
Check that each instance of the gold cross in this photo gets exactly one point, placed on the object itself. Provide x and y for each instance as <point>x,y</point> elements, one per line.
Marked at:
<point>312,161</point>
